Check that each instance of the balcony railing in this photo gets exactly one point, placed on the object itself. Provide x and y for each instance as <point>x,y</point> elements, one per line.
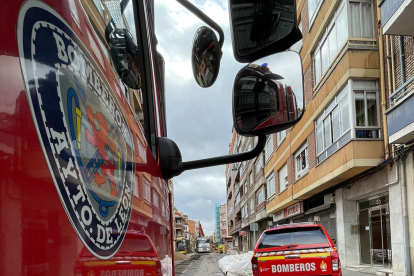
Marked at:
<point>401,92</point>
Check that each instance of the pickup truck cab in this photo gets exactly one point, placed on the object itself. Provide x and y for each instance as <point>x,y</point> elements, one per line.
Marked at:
<point>304,249</point>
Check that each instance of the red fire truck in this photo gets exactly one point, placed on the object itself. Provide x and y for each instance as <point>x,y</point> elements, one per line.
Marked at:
<point>84,154</point>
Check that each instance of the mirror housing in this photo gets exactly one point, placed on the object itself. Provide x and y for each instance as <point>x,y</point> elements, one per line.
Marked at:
<point>262,27</point>
<point>265,102</point>
<point>205,57</point>
<point>124,52</point>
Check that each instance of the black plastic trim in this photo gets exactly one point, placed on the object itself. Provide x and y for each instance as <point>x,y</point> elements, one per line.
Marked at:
<point>194,10</point>
<point>227,159</point>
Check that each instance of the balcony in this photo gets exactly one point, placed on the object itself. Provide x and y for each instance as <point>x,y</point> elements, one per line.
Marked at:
<point>400,117</point>
<point>396,17</point>
<point>229,193</point>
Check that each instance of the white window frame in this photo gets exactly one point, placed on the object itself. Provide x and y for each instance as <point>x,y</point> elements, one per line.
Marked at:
<point>366,90</point>
<point>258,165</point>
<point>281,136</point>
<point>319,71</point>
<point>136,186</point>
<point>147,190</point>
<point>251,178</point>
<point>269,148</point>
<point>300,173</point>
<point>156,200</point>
<point>270,185</point>
<point>350,21</point>
<point>342,95</point>
<point>260,197</point>
<point>315,13</point>
<point>283,180</point>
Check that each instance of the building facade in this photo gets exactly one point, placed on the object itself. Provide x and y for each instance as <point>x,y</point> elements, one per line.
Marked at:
<point>348,164</point>
<point>224,237</point>
<point>246,194</point>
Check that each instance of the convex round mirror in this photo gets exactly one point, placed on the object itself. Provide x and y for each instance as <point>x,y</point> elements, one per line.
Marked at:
<point>124,52</point>
<point>205,57</point>
<point>268,95</point>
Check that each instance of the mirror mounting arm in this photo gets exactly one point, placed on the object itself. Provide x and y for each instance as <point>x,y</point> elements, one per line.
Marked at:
<point>194,10</point>
<point>172,165</point>
<point>227,159</point>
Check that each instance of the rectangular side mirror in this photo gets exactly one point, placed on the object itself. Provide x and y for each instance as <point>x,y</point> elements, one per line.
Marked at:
<point>262,27</point>
<point>268,96</point>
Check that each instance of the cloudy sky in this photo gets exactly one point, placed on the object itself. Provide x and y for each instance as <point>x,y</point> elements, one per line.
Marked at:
<point>199,120</point>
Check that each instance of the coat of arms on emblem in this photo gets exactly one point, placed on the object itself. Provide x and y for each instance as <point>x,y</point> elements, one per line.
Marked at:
<point>84,134</point>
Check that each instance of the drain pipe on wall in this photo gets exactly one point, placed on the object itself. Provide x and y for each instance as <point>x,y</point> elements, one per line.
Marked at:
<point>401,49</point>
<point>405,213</point>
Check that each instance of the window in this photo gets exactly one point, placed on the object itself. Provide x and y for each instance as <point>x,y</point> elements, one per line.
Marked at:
<point>252,205</point>
<point>245,187</point>
<point>259,164</point>
<point>331,42</point>
<point>298,45</point>
<point>281,135</point>
<point>223,208</point>
<point>155,200</point>
<point>251,178</point>
<point>366,109</point>
<point>332,126</point>
<point>260,197</point>
<point>283,179</point>
<point>136,186</point>
<point>163,209</point>
<point>147,192</point>
<point>313,8</point>
<point>269,147</point>
<point>270,183</point>
<point>301,161</point>
<point>361,20</point>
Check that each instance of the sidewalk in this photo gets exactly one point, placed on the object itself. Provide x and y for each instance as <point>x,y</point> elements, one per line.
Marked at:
<point>354,273</point>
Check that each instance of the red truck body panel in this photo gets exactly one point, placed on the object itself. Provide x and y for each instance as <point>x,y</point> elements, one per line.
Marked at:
<point>44,231</point>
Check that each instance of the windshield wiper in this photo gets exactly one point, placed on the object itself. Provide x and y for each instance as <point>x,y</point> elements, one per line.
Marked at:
<point>291,245</point>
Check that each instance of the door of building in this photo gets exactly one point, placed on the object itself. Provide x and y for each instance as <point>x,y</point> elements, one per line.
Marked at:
<point>375,233</point>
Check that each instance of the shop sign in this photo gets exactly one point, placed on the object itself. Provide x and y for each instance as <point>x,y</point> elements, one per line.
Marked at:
<point>293,210</point>
<point>242,233</point>
<point>278,216</point>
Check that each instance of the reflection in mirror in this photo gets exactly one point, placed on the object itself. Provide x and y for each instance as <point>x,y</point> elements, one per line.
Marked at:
<point>268,95</point>
<point>124,52</point>
<point>258,23</point>
<point>205,57</point>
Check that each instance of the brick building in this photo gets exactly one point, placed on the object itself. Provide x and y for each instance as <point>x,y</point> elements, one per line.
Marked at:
<point>348,164</point>
<point>246,190</point>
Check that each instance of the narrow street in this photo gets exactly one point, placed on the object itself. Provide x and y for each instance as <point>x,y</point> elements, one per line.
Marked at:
<point>206,264</point>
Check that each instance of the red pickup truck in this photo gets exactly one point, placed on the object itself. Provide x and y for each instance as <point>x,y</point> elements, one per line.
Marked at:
<point>296,250</point>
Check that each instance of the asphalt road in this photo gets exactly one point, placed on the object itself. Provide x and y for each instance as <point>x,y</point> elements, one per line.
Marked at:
<point>200,264</point>
<point>206,264</point>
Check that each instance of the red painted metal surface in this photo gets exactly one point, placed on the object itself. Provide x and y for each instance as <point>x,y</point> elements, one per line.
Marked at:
<point>38,237</point>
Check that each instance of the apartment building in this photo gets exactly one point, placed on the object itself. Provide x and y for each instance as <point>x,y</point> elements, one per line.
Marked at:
<point>336,166</point>
<point>224,237</point>
<point>246,193</point>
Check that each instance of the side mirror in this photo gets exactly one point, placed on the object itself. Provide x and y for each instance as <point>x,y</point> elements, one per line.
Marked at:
<point>205,57</point>
<point>266,102</point>
<point>124,52</point>
<point>334,241</point>
<point>262,27</point>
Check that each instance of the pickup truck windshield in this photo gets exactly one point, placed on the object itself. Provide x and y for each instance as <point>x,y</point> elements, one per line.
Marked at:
<point>293,236</point>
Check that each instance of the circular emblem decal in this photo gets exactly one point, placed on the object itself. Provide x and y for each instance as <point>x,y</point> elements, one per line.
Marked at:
<point>83,132</point>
